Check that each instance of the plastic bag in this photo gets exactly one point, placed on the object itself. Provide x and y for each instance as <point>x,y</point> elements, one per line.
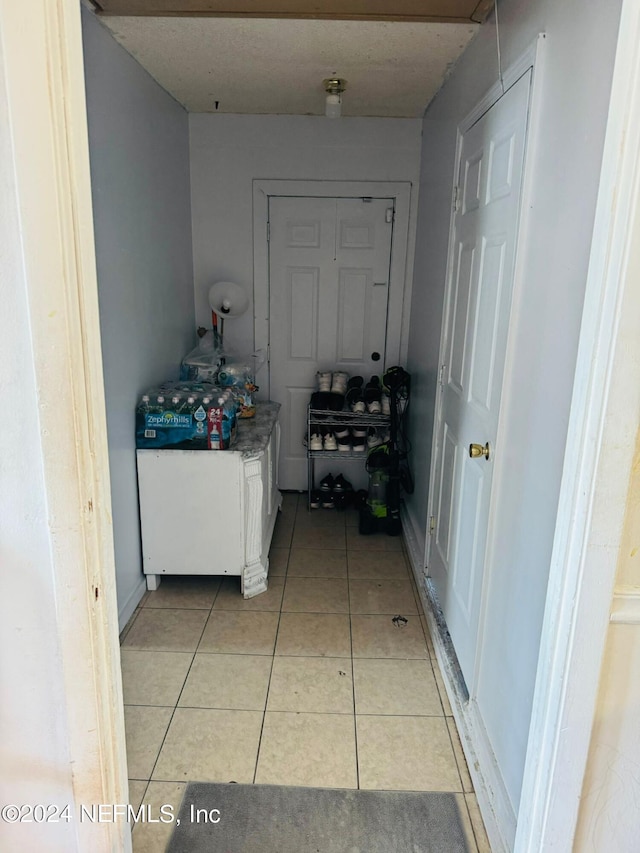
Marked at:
<point>203,362</point>
<point>239,373</point>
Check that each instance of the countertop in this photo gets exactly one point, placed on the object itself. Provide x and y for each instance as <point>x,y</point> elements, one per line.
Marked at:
<point>253,433</point>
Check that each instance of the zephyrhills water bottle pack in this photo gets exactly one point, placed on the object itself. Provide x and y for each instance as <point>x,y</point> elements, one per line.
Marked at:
<point>186,416</point>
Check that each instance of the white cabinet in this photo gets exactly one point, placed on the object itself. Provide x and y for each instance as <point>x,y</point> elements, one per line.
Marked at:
<point>212,512</point>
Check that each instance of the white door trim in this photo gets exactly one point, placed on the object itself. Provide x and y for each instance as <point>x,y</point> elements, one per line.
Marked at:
<point>601,436</point>
<point>399,285</point>
<point>42,44</point>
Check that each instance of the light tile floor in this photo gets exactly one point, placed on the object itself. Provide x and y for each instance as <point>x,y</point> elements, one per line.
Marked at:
<point>311,683</point>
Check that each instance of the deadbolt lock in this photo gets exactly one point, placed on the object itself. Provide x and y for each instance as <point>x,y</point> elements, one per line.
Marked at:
<point>476,450</point>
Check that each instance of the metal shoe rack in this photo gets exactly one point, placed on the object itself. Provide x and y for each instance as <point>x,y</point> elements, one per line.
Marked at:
<point>319,419</point>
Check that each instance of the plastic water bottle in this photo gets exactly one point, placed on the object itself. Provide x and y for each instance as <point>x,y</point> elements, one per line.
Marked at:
<point>143,406</point>
<point>157,407</point>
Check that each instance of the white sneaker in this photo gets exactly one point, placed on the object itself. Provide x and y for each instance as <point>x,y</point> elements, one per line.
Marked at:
<point>339,383</point>
<point>330,442</point>
<point>324,381</point>
<point>316,442</point>
<point>373,439</point>
<point>374,407</point>
<point>386,404</point>
<point>344,444</point>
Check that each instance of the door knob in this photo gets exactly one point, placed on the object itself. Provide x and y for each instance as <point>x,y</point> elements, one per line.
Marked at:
<point>375,356</point>
<point>476,450</point>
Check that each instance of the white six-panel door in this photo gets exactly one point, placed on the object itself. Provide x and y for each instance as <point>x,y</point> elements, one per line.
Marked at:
<point>477,310</point>
<point>329,264</point>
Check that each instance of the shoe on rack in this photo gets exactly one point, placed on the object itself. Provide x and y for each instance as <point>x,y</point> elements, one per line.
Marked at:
<point>330,442</point>
<point>341,486</point>
<point>324,381</point>
<point>355,401</point>
<point>344,444</point>
<point>386,404</point>
<point>326,484</point>
<point>341,432</point>
<point>340,501</point>
<point>335,402</point>
<point>373,396</point>
<point>374,438</point>
<point>320,400</point>
<point>339,383</point>
<point>316,499</point>
<point>355,382</point>
<point>328,501</point>
<point>358,439</point>
<point>316,442</point>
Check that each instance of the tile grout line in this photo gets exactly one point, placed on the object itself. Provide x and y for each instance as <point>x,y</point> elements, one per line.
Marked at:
<point>144,794</point>
<point>275,644</point>
<point>353,679</point>
<point>473,829</point>
<point>175,707</point>
<point>310,713</point>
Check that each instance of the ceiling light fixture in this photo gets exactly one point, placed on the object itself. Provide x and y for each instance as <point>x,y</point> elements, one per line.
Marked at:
<point>334,87</point>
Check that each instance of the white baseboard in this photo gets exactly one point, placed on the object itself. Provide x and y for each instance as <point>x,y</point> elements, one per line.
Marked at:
<point>126,611</point>
<point>413,540</point>
<point>493,800</point>
<point>626,605</point>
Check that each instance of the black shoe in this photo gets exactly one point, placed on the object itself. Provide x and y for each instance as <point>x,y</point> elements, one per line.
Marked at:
<point>355,401</point>
<point>328,501</point>
<point>355,382</point>
<point>340,501</point>
<point>326,484</point>
<point>340,485</point>
<point>315,501</point>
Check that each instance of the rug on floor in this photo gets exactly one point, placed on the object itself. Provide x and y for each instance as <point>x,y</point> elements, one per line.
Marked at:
<point>280,819</point>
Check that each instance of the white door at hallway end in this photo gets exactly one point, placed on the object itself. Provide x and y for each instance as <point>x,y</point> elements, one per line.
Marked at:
<point>477,309</point>
<point>329,266</point>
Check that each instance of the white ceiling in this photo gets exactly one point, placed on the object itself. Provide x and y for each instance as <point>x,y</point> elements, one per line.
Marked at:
<point>277,66</point>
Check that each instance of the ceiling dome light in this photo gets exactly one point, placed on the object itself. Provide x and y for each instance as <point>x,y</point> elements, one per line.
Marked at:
<point>334,87</point>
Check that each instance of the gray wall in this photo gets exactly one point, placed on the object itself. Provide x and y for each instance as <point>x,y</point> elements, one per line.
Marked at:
<point>139,146</point>
<point>229,151</point>
<point>569,132</point>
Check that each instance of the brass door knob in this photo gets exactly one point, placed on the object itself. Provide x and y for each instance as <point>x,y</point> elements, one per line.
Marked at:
<point>476,450</point>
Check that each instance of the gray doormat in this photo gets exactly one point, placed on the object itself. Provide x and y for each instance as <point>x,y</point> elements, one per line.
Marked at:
<point>279,819</point>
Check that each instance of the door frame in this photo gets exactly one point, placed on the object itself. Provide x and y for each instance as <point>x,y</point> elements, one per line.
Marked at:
<point>601,437</point>
<point>42,57</point>
<point>399,303</point>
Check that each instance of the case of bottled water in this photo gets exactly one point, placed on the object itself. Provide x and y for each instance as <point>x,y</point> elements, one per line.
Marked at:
<point>186,416</point>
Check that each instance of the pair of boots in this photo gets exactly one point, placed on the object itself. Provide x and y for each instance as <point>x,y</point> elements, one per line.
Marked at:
<point>335,383</point>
